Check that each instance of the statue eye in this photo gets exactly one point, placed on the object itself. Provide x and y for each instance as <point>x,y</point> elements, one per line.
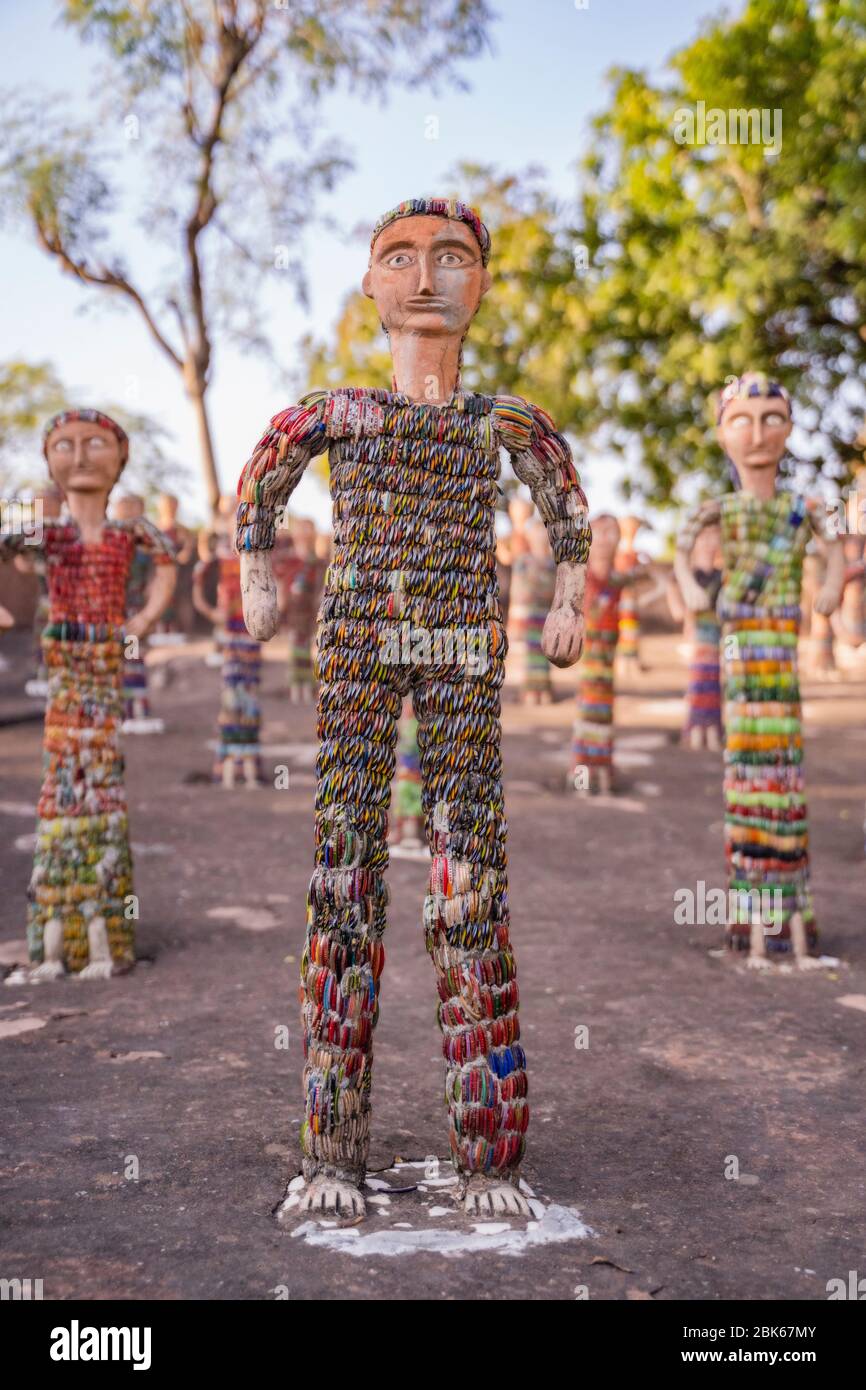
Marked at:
<point>774,420</point>
<point>62,446</point>
<point>450,258</point>
<point>741,422</point>
<point>400,259</point>
<point>95,442</point>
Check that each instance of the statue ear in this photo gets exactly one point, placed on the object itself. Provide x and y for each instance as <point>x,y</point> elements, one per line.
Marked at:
<point>366,284</point>
<point>486,282</point>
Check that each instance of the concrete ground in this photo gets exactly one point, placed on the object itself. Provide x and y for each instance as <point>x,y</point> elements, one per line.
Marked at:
<point>694,1069</point>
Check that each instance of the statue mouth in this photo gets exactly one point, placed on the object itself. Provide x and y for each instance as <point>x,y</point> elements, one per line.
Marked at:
<point>427,304</point>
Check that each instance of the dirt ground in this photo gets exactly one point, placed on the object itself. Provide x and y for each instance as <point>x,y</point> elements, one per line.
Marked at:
<point>693,1068</point>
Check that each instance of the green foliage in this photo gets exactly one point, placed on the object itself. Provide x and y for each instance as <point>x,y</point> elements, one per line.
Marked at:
<point>682,264</point>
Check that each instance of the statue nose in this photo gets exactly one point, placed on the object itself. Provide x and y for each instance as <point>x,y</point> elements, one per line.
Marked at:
<point>425,276</point>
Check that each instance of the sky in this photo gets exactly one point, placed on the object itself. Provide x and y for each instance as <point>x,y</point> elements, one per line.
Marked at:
<point>530,100</point>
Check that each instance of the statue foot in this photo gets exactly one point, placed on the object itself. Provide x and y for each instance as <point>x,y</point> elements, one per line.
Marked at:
<point>759,962</point>
<point>51,967</point>
<point>48,970</point>
<point>96,970</point>
<point>228,774</point>
<point>696,738</point>
<point>36,974</point>
<point>815,962</point>
<point>484,1196</point>
<point>324,1196</point>
<point>714,739</point>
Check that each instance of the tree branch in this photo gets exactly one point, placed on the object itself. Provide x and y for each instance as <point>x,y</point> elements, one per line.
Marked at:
<point>109,280</point>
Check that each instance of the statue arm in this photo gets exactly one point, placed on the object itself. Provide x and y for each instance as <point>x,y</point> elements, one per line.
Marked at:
<point>267,482</point>
<point>707,514</point>
<point>541,458</point>
<point>161,550</point>
<point>829,596</point>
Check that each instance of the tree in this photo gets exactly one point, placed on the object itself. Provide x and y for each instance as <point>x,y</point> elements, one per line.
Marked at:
<point>709,259</point>
<point>681,264</point>
<point>212,89</point>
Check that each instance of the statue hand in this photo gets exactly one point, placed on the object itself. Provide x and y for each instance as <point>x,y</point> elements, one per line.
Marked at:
<point>259,591</point>
<point>694,595</point>
<point>562,637</point>
<point>138,626</point>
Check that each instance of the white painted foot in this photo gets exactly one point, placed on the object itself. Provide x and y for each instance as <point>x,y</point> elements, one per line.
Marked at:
<point>52,966</point>
<point>325,1197</point>
<point>96,970</point>
<point>48,970</point>
<point>100,965</point>
<point>493,1197</point>
<point>759,962</point>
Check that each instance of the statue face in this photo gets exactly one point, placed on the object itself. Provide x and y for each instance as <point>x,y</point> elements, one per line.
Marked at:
<point>519,510</point>
<point>605,539</point>
<point>83,457</point>
<point>539,545</point>
<point>426,276</point>
<point>753,432</point>
<point>129,508</point>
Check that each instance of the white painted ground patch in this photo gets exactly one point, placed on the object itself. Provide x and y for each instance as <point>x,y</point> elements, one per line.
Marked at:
<point>394,1234</point>
<point>557,1225</point>
<point>249,918</point>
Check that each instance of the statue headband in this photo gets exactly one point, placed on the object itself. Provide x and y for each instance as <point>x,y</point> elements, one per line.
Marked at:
<point>437,207</point>
<point>750,384</point>
<point>94,417</point>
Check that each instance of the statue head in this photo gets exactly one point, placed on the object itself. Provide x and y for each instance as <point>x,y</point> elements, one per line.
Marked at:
<point>428,268</point>
<point>536,539</point>
<point>520,509</point>
<point>167,505</point>
<point>605,539</point>
<point>85,450</point>
<point>753,424</point>
<point>629,527</point>
<point>129,507</point>
<point>303,533</point>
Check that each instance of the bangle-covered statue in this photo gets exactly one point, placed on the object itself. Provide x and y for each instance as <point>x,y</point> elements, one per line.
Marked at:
<point>593,732</point>
<point>239,724</point>
<point>137,718</point>
<point>764,534</point>
<point>702,727</point>
<point>82,911</point>
<point>410,605</point>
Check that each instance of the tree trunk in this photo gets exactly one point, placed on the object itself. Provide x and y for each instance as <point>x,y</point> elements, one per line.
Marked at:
<point>208,459</point>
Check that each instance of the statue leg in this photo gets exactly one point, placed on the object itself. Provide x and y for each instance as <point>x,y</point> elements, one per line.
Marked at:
<point>343,956</point>
<point>466,924</point>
